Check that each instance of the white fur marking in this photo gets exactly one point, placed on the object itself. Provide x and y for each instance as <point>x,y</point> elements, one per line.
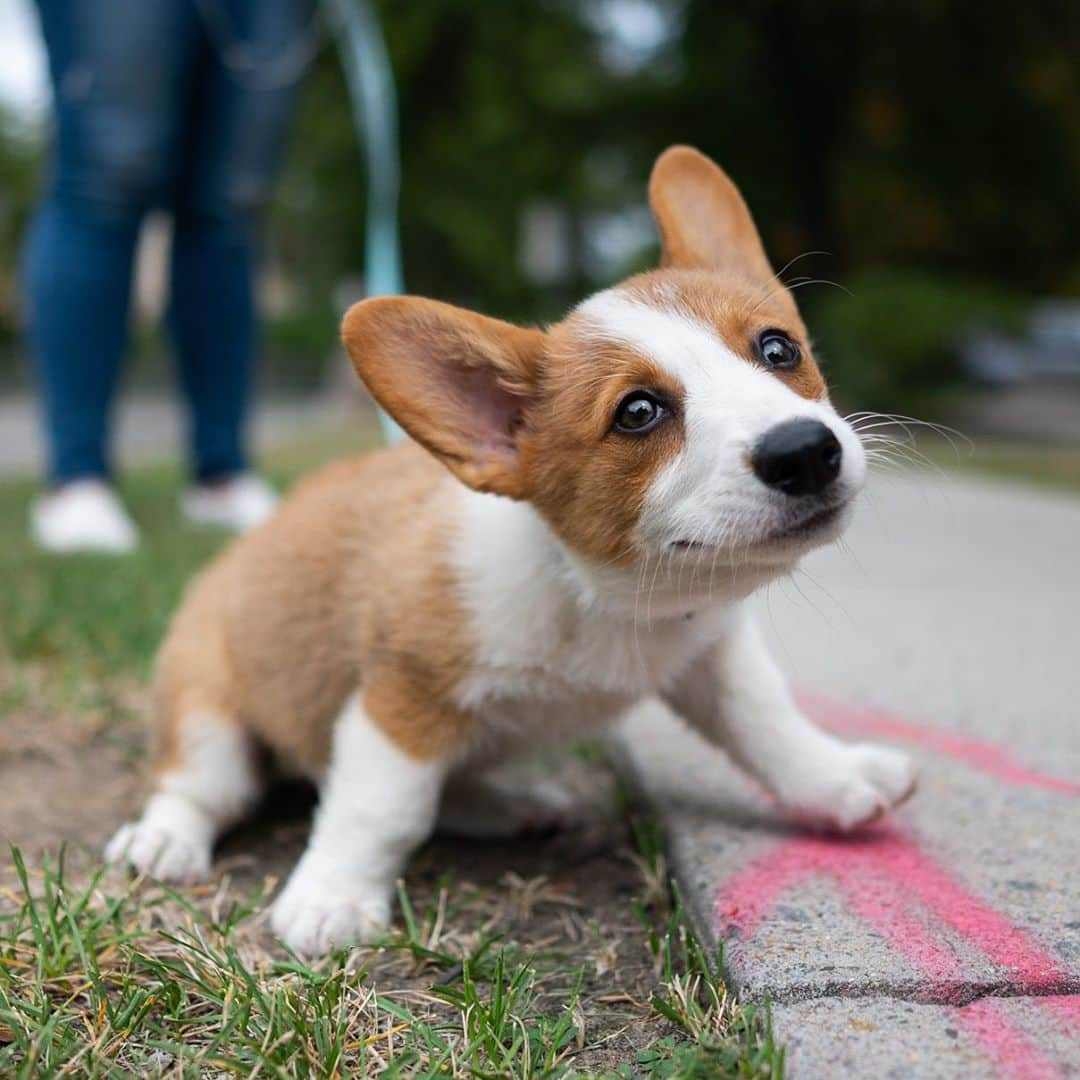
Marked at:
<point>560,647</point>
<point>377,805</point>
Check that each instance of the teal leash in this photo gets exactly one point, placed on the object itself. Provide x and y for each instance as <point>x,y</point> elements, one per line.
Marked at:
<point>373,97</point>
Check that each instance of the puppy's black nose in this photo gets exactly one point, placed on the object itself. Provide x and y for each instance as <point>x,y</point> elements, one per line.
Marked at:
<point>798,457</point>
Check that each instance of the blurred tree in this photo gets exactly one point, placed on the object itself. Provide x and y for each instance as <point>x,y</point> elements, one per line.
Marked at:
<point>18,174</point>
<point>938,132</point>
<point>937,136</point>
<point>932,133</point>
<point>500,106</point>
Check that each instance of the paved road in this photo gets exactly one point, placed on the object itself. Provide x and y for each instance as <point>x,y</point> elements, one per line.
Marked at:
<point>946,944</point>
<point>149,428</point>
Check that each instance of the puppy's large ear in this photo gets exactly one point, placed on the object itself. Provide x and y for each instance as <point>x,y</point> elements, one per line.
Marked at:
<point>457,382</point>
<point>704,222</point>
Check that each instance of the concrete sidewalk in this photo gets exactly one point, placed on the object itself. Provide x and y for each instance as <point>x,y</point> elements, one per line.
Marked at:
<point>946,943</point>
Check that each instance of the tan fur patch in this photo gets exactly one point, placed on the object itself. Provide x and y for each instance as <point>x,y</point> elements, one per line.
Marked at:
<point>703,221</point>
<point>588,480</point>
<point>721,273</point>
<point>458,382</point>
<point>295,616</point>
<point>738,309</point>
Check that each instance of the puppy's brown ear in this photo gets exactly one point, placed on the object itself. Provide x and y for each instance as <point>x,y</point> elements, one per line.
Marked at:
<point>704,222</point>
<point>457,382</point>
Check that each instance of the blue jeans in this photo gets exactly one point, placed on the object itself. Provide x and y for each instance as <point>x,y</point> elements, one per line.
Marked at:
<point>181,105</point>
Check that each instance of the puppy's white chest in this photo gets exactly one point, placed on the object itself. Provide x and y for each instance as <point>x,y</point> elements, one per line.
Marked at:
<point>548,657</point>
<point>582,656</point>
<point>557,683</point>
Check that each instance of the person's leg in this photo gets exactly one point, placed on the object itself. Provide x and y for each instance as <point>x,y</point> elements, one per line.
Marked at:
<point>117,71</point>
<point>78,279</point>
<point>236,129</point>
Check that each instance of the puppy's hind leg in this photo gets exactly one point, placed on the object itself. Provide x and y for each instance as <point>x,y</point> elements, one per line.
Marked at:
<point>208,780</point>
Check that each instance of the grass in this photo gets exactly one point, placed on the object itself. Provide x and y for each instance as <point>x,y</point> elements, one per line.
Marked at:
<point>491,973</point>
<point>88,617</point>
<point>91,986</point>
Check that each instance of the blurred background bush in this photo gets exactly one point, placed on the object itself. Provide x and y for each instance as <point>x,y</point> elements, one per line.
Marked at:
<point>926,155</point>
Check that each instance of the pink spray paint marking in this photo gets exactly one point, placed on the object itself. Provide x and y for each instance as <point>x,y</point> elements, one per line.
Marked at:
<point>1066,1007</point>
<point>987,1025</point>
<point>901,892</point>
<point>987,758</point>
<point>983,1021</point>
<point>888,882</point>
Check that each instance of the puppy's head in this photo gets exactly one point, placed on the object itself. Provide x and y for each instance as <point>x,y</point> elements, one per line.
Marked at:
<point>678,413</point>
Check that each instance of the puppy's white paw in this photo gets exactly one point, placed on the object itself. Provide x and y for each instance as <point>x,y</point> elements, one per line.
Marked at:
<point>845,785</point>
<point>164,853</point>
<point>313,916</point>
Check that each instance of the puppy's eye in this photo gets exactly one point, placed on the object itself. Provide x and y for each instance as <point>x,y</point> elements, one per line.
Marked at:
<point>776,350</point>
<point>638,413</point>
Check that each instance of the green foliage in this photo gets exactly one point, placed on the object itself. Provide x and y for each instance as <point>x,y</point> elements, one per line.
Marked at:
<point>842,143</point>
<point>500,105</point>
<point>904,135</point>
<point>891,339</point>
<point>19,163</point>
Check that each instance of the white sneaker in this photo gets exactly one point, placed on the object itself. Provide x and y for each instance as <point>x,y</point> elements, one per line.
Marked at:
<point>238,504</point>
<point>84,515</point>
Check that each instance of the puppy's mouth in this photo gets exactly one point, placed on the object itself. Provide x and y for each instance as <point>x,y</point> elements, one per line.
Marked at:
<point>804,529</point>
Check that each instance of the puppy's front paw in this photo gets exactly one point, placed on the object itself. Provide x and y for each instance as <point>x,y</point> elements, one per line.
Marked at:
<point>169,854</point>
<point>845,786</point>
<point>313,916</point>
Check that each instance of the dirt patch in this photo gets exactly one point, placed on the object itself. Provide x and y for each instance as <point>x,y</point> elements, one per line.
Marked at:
<point>65,778</point>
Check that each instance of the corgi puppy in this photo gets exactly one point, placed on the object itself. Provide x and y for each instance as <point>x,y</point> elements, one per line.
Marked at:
<point>574,527</point>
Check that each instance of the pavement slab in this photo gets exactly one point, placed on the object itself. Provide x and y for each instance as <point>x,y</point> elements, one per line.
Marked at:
<point>947,625</point>
<point>893,1039</point>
